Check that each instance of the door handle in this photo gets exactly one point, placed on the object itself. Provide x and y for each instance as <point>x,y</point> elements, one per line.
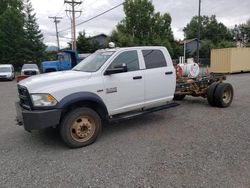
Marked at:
<point>137,77</point>
<point>170,72</point>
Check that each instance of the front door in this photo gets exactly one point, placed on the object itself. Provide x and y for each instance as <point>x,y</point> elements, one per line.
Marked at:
<point>124,91</point>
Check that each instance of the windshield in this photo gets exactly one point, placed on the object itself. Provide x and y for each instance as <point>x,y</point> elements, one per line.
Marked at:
<point>5,69</point>
<point>62,57</point>
<point>29,66</point>
<point>93,62</point>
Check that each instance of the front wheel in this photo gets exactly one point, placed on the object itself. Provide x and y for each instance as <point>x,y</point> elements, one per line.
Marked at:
<point>80,127</point>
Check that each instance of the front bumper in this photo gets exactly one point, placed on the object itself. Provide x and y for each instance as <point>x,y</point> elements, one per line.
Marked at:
<point>5,77</point>
<point>37,119</point>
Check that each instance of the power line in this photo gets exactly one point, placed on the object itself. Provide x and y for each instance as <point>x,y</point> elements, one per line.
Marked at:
<point>98,15</point>
<point>60,10</point>
<point>56,21</point>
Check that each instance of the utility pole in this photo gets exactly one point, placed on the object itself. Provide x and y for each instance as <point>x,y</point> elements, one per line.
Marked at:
<point>73,3</point>
<point>56,21</point>
<point>199,33</point>
<point>72,26</point>
<point>184,52</point>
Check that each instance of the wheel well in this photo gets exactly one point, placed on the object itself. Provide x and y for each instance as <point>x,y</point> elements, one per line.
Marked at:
<point>90,104</point>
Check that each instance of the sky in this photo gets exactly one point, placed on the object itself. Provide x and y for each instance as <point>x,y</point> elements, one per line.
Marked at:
<point>229,12</point>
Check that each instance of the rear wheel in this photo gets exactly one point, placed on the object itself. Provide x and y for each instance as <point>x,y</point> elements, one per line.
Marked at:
<point>80,127</point>
<point>223,95</point>
<point>211,92</point>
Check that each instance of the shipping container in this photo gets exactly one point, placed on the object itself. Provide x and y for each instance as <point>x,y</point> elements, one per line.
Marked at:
<point>230,60</point>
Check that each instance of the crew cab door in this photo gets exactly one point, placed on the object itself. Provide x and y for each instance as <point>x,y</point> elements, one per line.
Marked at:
<point>159,77</point>
<point>124,91</point>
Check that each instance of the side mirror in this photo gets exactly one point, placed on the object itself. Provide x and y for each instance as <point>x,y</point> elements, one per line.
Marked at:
<point>116,69</point>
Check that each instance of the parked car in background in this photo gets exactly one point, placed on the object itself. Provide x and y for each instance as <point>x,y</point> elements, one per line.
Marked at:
<point>29,70</point>
<point>7,72</point>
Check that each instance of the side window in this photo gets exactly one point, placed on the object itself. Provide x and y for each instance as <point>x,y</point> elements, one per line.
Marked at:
<point>154,59</point>
<point>130,58</point>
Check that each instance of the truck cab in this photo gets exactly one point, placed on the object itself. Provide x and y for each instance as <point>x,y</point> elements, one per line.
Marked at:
<point>65,61</point>
<point>109,84</point>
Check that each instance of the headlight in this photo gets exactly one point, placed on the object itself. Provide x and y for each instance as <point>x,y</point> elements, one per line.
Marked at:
<point>43,100</point>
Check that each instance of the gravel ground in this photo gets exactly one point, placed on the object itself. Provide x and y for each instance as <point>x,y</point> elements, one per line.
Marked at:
<point>192,145</point>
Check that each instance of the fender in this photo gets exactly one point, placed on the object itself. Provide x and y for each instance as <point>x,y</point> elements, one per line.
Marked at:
<point>84,96</point>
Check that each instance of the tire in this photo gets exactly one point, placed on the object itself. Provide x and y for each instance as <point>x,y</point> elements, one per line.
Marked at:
<point>211,92</point>
<point>223,95</point>
<point>80,127</point>
<point>179,97</point>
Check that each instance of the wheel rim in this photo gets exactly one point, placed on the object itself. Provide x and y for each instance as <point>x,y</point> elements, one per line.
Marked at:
<point>83,128</point>
<point>227,95</point>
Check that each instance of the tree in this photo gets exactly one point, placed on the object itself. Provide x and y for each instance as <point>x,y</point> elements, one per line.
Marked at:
<point>143,26</point>
<point>211,29</point>
<point>213,34</point>
<point>84,45</point>
<point>20,37</point>
<point>11,32</point>
<point>241,33</point>
<point>34,47</point>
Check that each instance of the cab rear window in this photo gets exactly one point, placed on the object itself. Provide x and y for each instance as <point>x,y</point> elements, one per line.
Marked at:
<point>154,59</point>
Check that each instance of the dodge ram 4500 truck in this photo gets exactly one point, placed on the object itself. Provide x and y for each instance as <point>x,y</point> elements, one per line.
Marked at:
<point>109,84</point>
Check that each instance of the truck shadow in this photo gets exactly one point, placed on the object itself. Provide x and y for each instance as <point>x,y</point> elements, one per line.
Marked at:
<point>194,100</point>
<point>141,122</point>
<point>51,137</point>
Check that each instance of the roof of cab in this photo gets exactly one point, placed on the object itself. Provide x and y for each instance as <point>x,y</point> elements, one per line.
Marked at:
<point>130,48</point>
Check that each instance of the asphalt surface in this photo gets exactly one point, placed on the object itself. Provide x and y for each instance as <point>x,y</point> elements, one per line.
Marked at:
<point>192,145</point>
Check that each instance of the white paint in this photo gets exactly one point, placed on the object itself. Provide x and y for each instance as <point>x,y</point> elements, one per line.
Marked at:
<point>154,89</point>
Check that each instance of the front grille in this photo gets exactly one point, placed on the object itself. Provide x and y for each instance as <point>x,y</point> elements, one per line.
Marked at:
<point>29,73</point>
<point>24,97</point>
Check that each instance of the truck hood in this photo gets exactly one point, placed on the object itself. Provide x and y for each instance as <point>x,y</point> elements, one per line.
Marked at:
<point>50,82</point>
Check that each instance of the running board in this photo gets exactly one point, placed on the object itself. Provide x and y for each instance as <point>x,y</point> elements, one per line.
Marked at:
<point>142,112</point>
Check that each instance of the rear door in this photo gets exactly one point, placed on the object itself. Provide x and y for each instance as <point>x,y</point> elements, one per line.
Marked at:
<point>159,77</point>
<point>124,91</point>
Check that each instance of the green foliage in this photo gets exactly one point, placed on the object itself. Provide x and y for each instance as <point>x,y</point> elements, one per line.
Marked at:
<point>143,26</point>
<point>11,32</point>
<point>213,34</point>
<point>206,47</point>
<point>211,29</point>
<point>84,45</point>
<point>242,32</point>
<point>20,37</point>
<point>34,47</point>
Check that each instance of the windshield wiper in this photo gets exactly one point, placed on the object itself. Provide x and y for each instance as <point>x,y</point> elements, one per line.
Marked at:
<point>76,70</point>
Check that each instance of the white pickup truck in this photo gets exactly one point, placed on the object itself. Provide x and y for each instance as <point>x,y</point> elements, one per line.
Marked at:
<point>108,85</point>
